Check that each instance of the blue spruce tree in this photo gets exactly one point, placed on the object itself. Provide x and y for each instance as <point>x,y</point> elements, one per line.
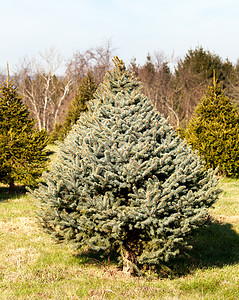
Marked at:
<point>124,181</point>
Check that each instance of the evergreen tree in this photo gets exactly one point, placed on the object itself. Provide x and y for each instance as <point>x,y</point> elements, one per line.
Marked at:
<point>77,106</point>
<point>214,131</point>
<point>124,181</point>
<point>85,93</point>
<point>193,74</point>
<point>204,63</point>
<point>22,154</point>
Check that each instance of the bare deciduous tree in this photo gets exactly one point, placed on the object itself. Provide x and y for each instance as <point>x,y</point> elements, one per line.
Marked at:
<point>157,80</point>
<point>43,91</point>
<point>2,76</point>
<point>232,90</point>
<point>189,88</point>
<point>98,60</point>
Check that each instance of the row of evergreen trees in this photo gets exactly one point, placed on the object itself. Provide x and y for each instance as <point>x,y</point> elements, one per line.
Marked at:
<point>213,131</point>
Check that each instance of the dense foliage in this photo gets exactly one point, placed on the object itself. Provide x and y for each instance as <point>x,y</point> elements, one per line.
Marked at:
<point>193,74</point>
<point>214,131</point>
<point>22,155</point>
<point>204,63</point>
<point>124,181</point>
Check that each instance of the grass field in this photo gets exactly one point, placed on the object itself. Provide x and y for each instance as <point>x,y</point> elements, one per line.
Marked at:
<point>32,266</point>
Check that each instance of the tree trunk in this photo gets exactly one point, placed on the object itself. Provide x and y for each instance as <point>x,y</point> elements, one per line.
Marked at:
<point>129,262</point>
<point>11,185</point>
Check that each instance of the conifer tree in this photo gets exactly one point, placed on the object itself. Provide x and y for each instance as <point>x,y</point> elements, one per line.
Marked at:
<point>77,106</point>
<point>214,131</point>
<point>22,154</point>
<point>124,181</point>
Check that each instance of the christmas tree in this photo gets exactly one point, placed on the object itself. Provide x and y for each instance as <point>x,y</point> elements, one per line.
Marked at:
<point>214,131</point>
<point>124,182</point>
<point>77,106</point>
<point>22,154</point>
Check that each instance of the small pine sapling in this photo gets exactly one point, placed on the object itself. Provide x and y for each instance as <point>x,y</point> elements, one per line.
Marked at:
<point>77,106</point>
<point>214,131</point>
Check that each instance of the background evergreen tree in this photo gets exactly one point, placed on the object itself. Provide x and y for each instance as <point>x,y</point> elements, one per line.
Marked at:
<point>22,154</point>
<point>77,106</point>
<point>204,63</point>
<point>214,131</point>
<point>124,181</point>
<point>193,74</point>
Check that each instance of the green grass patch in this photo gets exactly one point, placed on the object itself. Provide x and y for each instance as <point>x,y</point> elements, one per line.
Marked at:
<point>228,204</point>
<point>32,266</point>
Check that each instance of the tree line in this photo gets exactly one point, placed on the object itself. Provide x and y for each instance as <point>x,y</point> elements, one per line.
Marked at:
<point>175,92</point>
<point>38,106</point>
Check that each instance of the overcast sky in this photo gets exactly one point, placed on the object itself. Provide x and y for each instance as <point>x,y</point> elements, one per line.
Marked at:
<point>135,27</point>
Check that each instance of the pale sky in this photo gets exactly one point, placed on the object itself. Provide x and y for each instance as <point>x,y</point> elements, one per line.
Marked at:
<point>135,27</point>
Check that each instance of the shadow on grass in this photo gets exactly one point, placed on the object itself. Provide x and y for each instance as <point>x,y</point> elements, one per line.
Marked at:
<point>5,194</point>
<point>97,258</point>
<point>216,245</point>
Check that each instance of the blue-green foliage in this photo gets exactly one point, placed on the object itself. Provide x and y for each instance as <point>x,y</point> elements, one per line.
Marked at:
<point>124,180</point>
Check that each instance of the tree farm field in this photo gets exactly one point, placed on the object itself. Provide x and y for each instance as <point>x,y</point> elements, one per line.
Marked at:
<point>33,266</point>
